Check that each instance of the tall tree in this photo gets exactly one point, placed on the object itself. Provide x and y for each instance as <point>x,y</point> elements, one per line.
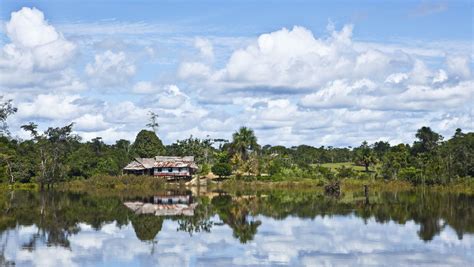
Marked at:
<point>54,147</point>
<point>244,141</point>
<point>365,155</point>
<point>147,145</point>
<point>122,152</point>
<point>8,153</point>
<point>380,148</point>
<point>6,109</point>
<point>153,121</point>
<point>201,149</point>
<point>394,160</point>
<point>7,157</point>
<point>458,154</point>
<point>60,141</point>
<point>98,145</point>
<point>427,141</point>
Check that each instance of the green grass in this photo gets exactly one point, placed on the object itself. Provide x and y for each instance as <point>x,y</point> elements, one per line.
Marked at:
<point>19,186</point>
<point>335,166</point>
<point>104,184</point>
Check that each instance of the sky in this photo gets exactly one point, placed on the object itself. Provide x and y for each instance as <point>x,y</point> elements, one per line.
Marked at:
<point>332,73</point>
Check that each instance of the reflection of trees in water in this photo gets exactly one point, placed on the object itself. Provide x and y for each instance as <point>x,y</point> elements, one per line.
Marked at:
<point>432,211</point>
<point>146,226</point>
<point>236,215</point>
<point>57,215</point>
<point>200,222</point>
<point>233,213</point>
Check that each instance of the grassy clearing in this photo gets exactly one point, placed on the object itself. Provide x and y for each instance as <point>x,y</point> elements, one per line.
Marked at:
<point>127,184</point>
<point>301,184</point>
<point>347,185</point>
<point>337,165</point>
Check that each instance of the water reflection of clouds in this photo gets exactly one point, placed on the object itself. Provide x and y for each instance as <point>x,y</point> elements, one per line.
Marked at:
<point>348,241</point>
<point>328,241</point>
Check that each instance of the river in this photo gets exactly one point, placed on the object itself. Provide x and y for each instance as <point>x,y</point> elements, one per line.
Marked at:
<point>216,228</point>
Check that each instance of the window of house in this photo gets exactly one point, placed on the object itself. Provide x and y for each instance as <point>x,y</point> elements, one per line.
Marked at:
<point>170,169</point>
<point>179,169</point>
<point>160,169</point>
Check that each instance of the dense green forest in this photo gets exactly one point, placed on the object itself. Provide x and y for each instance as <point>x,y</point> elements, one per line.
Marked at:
<point>58,154</point>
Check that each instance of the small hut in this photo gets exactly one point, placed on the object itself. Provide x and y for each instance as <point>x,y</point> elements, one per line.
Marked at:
<point>140,166</point>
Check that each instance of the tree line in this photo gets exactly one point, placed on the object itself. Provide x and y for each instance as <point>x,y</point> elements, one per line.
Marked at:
<point>57,155</point>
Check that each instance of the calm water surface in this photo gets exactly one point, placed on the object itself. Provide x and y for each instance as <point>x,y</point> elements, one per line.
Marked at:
<point>286,227</point>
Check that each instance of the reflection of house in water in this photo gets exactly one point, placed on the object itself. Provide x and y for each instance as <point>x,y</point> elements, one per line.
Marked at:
<point>167,204</point>
<point>172,199</point>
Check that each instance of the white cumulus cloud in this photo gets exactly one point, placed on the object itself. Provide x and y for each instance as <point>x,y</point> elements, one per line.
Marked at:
<point>205,48</point>
<point>111,69</point>
<point>37,54</point>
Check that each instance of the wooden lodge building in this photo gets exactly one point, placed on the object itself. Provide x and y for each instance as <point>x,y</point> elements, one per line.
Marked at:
<point>163,166</point>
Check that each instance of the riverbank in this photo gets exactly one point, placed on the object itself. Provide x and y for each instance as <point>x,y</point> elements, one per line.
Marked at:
<point>465,186</point>
<point>143,185</point>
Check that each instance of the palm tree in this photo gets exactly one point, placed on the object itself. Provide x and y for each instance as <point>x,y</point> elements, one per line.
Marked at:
<point>365,155</point>
<point>244,141</point>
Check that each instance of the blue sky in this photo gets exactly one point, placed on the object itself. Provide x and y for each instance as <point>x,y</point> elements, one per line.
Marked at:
<point>315,72</point>
<point>382,20</point>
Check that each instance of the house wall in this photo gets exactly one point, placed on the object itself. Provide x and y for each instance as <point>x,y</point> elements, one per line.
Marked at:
<point>174,171</point>
<point>139,172</point>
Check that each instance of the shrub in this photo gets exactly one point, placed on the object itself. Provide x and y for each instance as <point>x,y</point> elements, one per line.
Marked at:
<point>295,172</point>
<point>344,172</point>
<point>222,169</point>
<point>274,167</point>
<point>363,176</point>
<point>411,174</point>
<point>325,172</point>
<point>205,169</point>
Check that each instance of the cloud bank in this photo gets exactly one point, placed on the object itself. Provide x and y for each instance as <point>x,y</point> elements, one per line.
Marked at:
<point>290,85</point>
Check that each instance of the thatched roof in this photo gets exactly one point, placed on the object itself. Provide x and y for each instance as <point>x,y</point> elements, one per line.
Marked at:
<point>134,165</point>
<point>146,162</point>
<point>140,164</point>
